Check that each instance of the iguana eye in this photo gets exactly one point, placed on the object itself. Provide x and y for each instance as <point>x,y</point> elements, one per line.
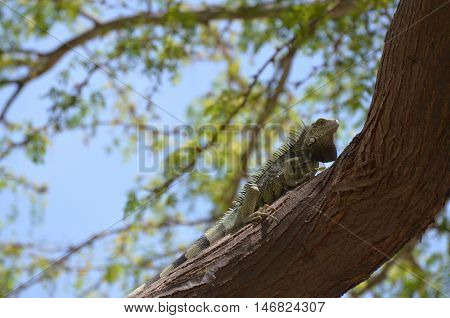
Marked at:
<point>320,122</point>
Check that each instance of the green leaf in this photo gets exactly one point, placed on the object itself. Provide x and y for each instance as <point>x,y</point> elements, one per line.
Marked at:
<point>131,204</point>
<point>113,272</point>
<point>36,147</point>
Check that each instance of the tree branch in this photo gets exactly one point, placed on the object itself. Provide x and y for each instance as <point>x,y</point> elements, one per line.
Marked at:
<point>73,249</point>
<point>385,188</point>
<point>19,86</point>
<point>46,61</point>
<point>377,279</point>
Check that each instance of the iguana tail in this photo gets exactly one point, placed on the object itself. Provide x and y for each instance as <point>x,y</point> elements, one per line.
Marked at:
<point>211,236</point>
<point>231,220</point>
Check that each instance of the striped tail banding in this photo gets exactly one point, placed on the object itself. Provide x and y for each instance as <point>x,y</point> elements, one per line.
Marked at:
<point>211,236</point>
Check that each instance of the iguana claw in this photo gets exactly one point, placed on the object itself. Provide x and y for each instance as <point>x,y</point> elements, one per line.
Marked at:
<point>261,215</point>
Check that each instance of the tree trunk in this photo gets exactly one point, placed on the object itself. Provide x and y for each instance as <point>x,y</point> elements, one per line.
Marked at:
<point>385,188</point>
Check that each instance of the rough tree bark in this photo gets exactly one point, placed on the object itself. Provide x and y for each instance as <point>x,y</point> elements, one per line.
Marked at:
<point>385,188</point>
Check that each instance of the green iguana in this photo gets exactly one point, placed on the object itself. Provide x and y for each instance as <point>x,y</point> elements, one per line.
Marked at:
<point>292,164</point>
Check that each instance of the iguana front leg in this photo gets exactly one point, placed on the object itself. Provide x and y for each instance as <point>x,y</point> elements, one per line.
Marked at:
<point>247,213</point>
<point>297,170</point>
<point>260,215</point>
<point>249,203</point>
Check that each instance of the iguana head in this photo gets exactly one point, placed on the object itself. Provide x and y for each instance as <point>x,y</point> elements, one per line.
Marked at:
<point>320,138</point>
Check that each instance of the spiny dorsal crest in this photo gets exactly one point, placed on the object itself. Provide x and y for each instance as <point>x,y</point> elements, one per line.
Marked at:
<point>293,137</point>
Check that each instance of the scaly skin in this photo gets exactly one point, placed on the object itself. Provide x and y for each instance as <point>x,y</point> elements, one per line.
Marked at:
<point>291,165</point>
